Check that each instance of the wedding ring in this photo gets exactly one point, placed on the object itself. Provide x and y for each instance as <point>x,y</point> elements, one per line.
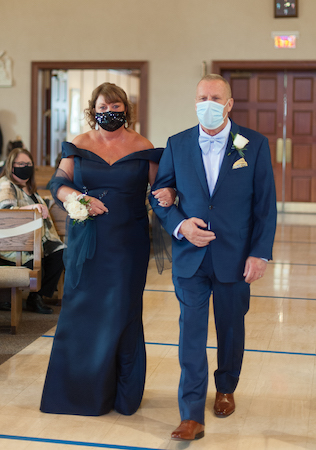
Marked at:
<point>166,203</point>
<point>93,215</point>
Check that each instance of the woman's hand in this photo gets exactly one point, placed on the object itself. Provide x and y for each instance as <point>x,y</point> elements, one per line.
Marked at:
<point>40,208</point>
<point>165,196</point>
<point>95,206</point>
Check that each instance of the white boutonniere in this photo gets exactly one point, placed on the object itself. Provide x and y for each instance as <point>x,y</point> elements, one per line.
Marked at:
<point>239,144</point>
<point>77,208</point>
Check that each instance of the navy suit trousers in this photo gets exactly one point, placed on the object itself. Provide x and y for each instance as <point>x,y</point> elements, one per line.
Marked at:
<point>230,303</point>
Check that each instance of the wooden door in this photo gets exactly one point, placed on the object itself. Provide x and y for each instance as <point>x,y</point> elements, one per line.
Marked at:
<point>281,105</point>
<point>300,176</point>
<point>59,113</point>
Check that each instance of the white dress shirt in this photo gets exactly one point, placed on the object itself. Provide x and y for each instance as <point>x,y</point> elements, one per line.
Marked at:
<point>213,151</point>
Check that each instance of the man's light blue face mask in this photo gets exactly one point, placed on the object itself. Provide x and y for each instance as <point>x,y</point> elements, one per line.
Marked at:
<point>210,114</point>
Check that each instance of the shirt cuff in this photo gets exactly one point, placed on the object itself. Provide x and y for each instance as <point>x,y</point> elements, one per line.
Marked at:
<point>176,233</point>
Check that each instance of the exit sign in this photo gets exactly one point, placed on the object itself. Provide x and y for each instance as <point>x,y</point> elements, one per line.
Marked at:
<point>285,41</point>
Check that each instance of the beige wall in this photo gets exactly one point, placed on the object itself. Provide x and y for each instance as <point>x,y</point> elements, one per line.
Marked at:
<point>175,36</point>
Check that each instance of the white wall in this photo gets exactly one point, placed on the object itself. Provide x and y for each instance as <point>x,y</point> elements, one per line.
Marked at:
<point>175,36</point>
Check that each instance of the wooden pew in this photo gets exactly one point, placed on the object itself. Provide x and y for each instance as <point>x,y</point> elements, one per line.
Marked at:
<point>18,277</point>
<point>42,176</point>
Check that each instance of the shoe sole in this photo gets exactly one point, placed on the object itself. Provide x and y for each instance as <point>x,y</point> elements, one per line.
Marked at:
<point>197,436</point>
<point>222,415</point>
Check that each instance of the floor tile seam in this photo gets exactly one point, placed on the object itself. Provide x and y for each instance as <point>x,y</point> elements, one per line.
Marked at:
<point>75,443</point>
<point>277,241</point>
<point>290,263</point>
<point>252,295</point>
<point>282,298</point>
<point>246,349</point>
<point>215,348</point>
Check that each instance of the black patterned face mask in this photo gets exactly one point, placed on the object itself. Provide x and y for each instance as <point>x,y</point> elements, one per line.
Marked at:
<point>110,120</point>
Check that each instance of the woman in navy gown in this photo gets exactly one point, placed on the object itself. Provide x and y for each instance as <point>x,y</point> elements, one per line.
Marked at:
<point>98,359</point>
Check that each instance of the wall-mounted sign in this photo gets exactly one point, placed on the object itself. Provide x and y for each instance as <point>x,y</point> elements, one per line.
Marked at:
<point>285,39</point>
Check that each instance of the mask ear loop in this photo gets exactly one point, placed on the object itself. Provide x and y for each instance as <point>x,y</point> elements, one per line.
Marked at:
<point>227,111</point>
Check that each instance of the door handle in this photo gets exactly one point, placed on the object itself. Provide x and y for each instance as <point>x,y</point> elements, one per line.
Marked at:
<point>288,150</point>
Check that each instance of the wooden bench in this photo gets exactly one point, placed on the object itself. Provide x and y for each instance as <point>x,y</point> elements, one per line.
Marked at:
<point>18,277</point>
<point>43,174</point>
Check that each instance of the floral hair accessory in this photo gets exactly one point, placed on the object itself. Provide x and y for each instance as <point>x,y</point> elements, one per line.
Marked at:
<point>239,144</point>
<point>77,208</point>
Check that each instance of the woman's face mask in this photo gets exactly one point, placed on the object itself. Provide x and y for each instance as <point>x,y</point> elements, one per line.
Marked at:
<point>110,120</point>
<point>23,172</point>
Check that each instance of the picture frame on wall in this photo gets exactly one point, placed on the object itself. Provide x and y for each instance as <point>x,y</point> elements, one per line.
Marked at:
<point>285,8</point>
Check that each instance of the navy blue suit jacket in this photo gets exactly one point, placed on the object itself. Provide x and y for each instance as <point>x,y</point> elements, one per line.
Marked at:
<point>241,210</point>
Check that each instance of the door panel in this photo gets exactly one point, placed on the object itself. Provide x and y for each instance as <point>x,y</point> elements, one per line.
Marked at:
<point>257,96</point>
<point>301,129</point>
<point>266,101</point>
<point>59,114</point>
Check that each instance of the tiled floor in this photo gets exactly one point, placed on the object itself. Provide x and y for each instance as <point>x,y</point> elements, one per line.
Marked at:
<point>276,396</point>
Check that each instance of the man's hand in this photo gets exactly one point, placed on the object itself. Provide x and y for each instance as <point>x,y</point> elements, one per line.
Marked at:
<point>191,230</point>
<point>254,269</point>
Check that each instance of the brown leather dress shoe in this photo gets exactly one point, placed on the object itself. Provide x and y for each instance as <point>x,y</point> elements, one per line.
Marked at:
<point>188,430</point>
<point>224,404</point>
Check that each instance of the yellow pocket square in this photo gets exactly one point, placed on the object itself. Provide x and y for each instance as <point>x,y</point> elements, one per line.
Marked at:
<point>240,163</point>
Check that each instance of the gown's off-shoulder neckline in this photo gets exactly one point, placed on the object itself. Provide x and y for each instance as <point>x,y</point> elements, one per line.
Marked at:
<point>90,152</point>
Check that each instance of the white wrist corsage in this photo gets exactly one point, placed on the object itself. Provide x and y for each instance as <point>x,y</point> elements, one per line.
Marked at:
<point>77,207</point>
<point>239,144</point>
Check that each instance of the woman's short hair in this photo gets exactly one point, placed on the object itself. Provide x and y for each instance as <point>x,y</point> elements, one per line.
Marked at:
<point>111,94</point>
<point>7,168</point>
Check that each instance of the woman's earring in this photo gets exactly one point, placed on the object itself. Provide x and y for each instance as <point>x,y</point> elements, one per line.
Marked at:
<point>96,126</point>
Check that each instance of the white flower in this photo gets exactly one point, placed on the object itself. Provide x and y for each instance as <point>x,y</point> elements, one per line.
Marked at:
<point>240,142</point>
<point>77,207</point>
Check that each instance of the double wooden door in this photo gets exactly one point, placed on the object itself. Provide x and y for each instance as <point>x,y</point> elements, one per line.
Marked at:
<point>281,105</point>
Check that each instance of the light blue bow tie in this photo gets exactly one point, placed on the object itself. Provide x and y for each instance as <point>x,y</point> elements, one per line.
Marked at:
<point>217,142</point>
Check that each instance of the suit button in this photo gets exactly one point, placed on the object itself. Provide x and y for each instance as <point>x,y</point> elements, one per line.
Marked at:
<point>211,207</point>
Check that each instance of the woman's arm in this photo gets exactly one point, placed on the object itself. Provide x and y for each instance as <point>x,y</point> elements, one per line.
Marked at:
<point>166,196</point>
<point>95,205</point>
<point>153,169</point>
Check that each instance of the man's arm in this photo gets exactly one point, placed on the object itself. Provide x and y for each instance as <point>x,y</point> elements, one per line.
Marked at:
<point>264,215</point>
<point>169,217</point>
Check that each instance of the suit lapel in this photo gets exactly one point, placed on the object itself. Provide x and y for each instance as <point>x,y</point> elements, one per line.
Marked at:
<point>228,158</point>
<point>196,155</point>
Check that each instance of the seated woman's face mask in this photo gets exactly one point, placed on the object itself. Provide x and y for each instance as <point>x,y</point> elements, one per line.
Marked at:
<point>24,173</point>
<point>111,120</point>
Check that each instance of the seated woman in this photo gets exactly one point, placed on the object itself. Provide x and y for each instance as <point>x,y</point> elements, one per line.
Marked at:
<point>18,191</point>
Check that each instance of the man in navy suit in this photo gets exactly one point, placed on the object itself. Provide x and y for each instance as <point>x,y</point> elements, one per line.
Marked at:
<point>223,230</point>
